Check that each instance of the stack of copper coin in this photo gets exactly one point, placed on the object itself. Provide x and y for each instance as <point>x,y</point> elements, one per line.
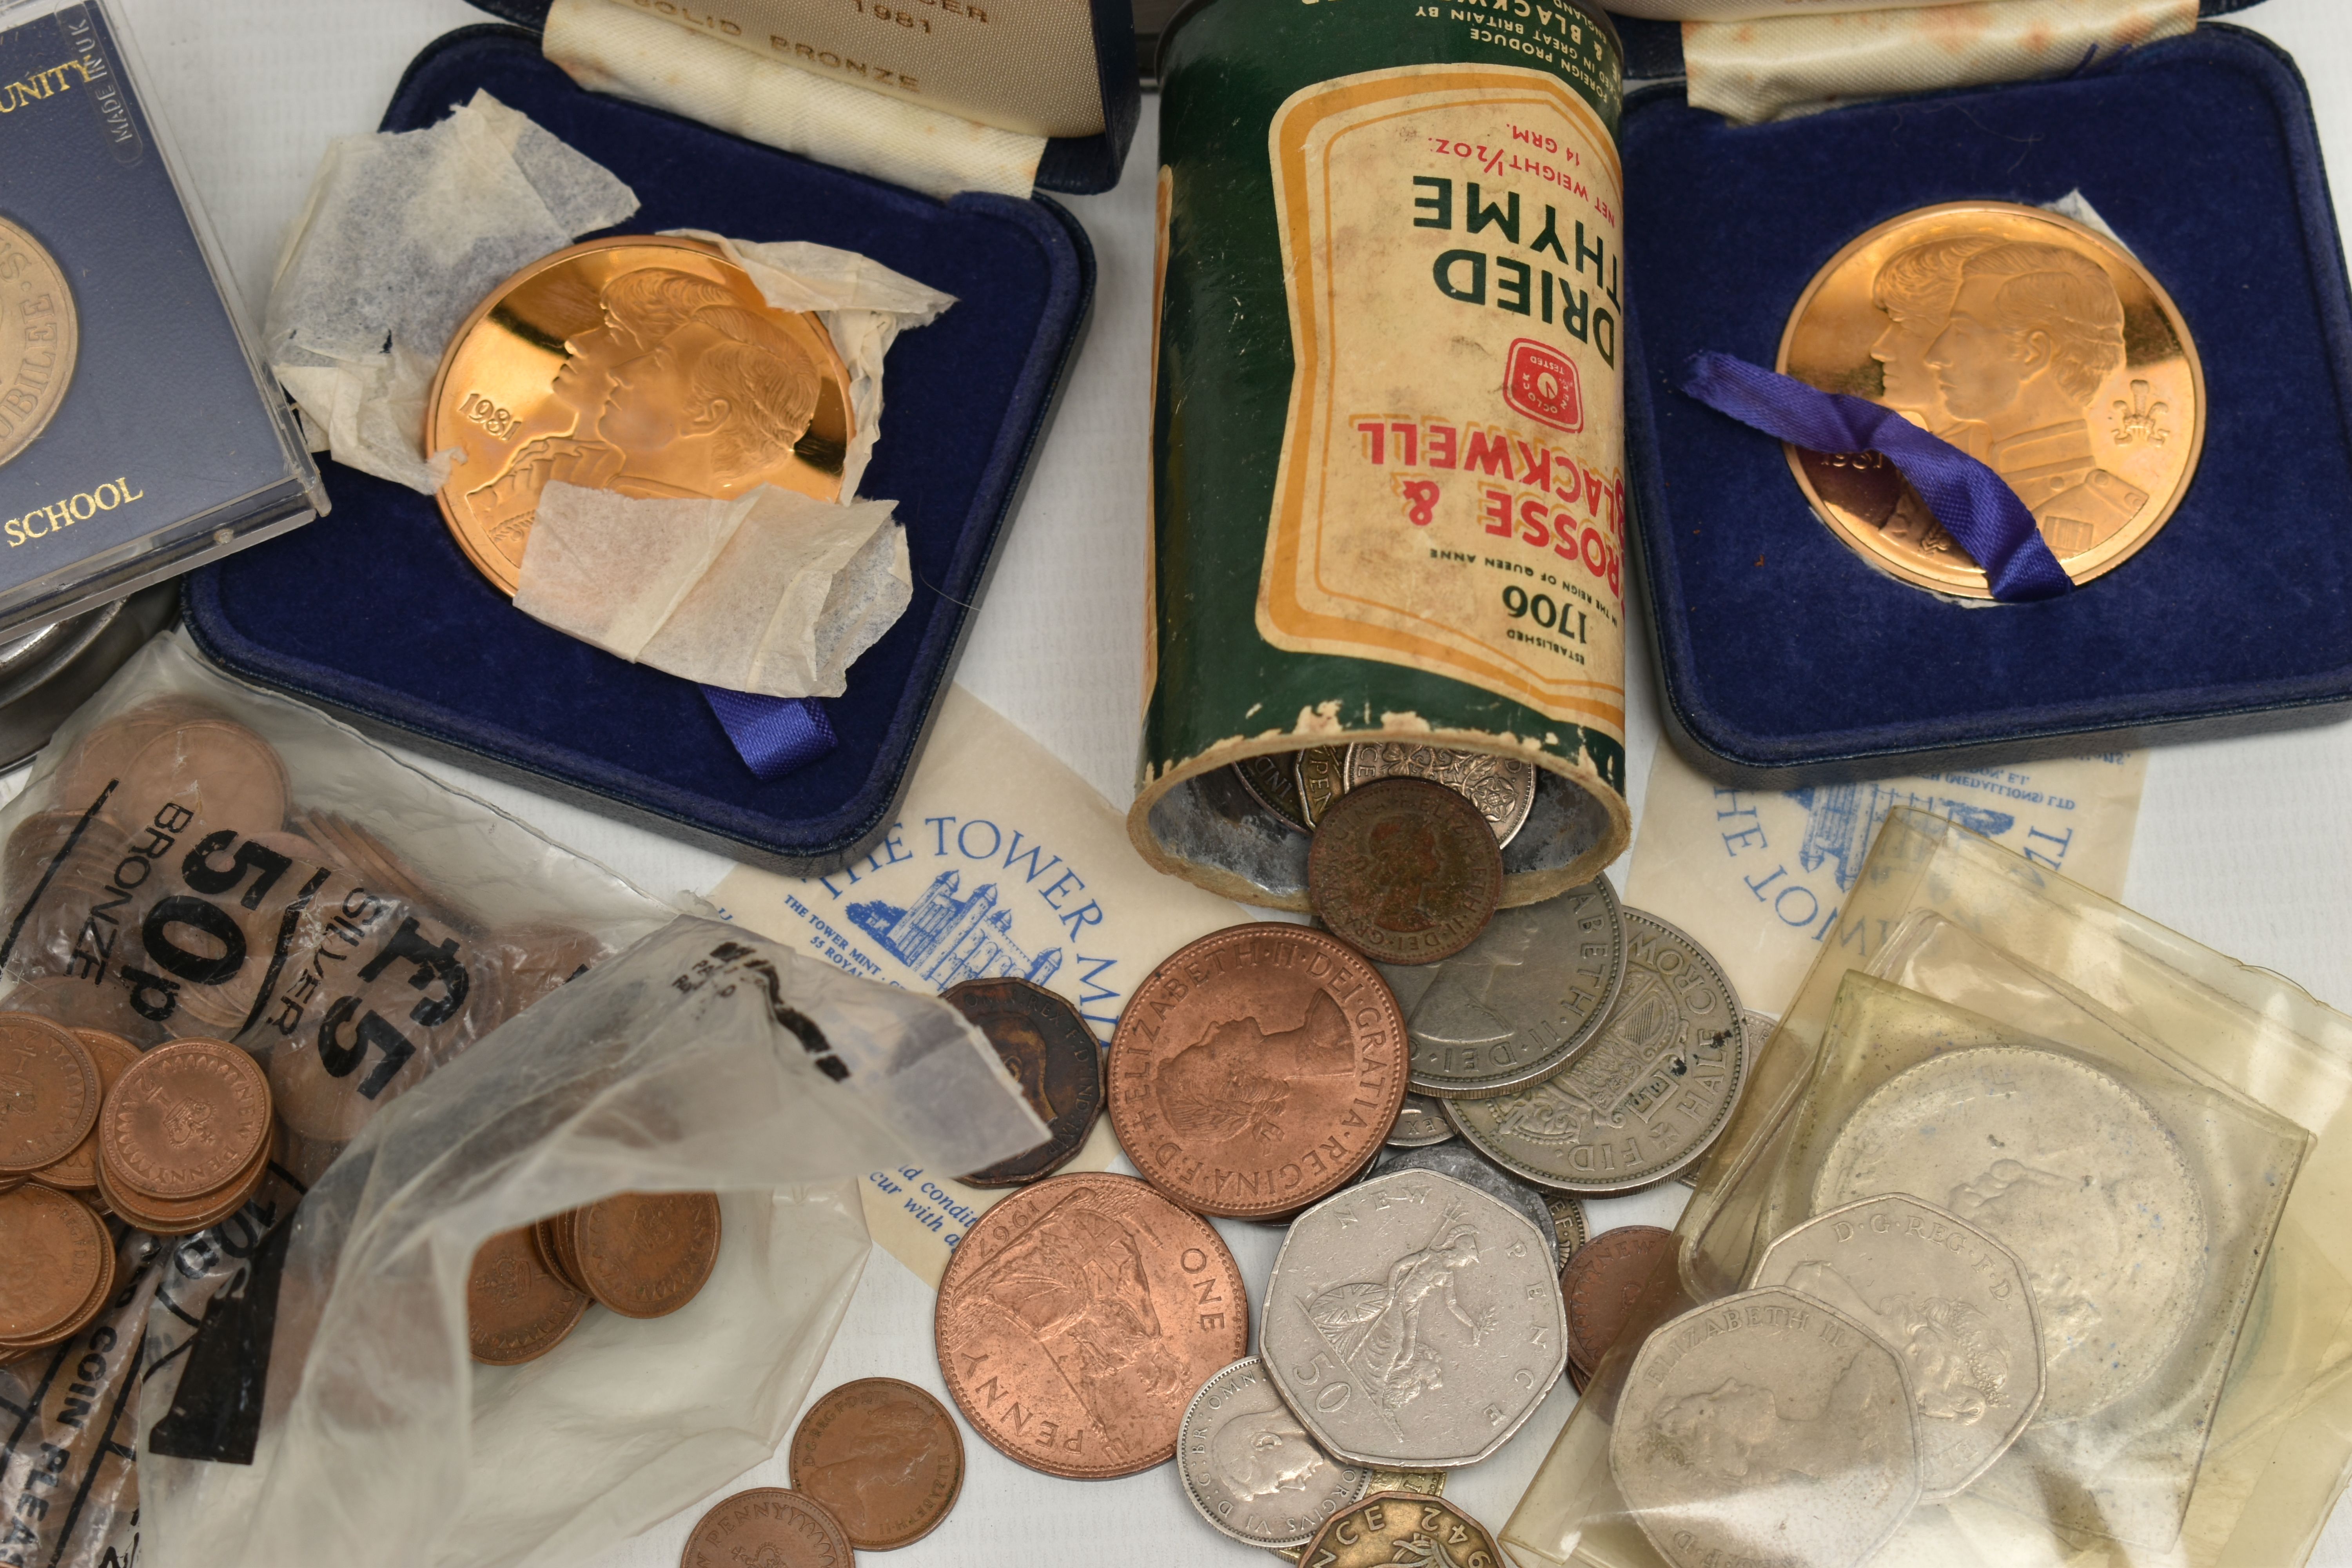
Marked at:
<point>642,1254</point>
<point>52,1083</point>
<point>184,1136</point>
<point>57,1269</point>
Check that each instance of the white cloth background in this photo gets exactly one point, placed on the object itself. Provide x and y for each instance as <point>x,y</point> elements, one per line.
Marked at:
<point>2243,845</point>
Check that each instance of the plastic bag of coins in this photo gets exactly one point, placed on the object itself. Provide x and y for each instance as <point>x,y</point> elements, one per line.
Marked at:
<point>702,1061</point>
<point>1999,1247</point>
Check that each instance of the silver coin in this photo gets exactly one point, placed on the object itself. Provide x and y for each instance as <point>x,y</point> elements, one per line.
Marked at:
<point>1456,1159</point>
<point>1647,1099</point>
<point>1414,1322</point>
<point>1533,990</point>
<point>1568,1224</point>
<point>1765,1429</point>
<point>1953,1304</point>
<point>2067,1168</point>
<point>1273,781</point>
<point>1421,1123</point>
<point>1502,788</point>
<point>1757,1027</point>
<point>1251,1468</point>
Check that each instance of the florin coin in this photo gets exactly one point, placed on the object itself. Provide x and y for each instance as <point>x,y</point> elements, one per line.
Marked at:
<point>1420,1123</point>
<point>1404,1527</point>
<point>579,369</point>
<point>1766,1427</point>
<point>112,1055</point>
<point>1502,788</point>
<point>1647,1099</point>
<point>1048,1048</point>
<point>49,1092</point>
<point>1272,781</point>
<point>885,1459</point>
<point>1256,1069</point>
<point>1456,1159</point>
<point>1251,1468</point>
<point>646,1255</point>
<point>2072,1171</point>
<point>1568,1224</point>
<point>1517,1004</point>
<point>516,1311</point>
<point>2033,342</point>
<point>1077,1316</point>
<point>1953,1304</point>
<point>55,1251</point>
<point>1603,1288</point>
<point>186,1120</point>
<point>1404,870</point>
<point>1414,1322</point>
<point>1322,775</point>
<point>40,337</point>
<point>767,1527</point>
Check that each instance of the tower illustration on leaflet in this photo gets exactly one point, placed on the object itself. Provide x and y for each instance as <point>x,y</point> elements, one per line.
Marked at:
<point>946,938</point>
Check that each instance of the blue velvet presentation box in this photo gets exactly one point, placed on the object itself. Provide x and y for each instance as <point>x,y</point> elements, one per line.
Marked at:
<point>373,612</point>
<point>1785,660</point>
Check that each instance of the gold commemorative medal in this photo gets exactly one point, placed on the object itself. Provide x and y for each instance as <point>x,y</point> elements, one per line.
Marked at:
<point>39,338</point>
<point>647,366</point>
<point>2031,341</point>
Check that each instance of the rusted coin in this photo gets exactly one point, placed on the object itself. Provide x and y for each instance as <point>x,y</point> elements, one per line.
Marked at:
<point>885,1459</point>
<point>55,1250</point>
<point>1401,1527</point>
<point>767,1527</point>
<point>1047,1046</point>
<point>1256,1069</point>
<point>1602,1283</point>
<point>77,1172</point>
<point>1076,1319</point>
<point>222,773</point>
<point>515,1310</point>
<point>581,368</point>
<point>49,1093</point>
<point>1321,772</point>
<point>1404,870</point>
<point>1502,788</point>
<point>646,1255</point>
<point>187,1217</point>
<point>186,1120</point>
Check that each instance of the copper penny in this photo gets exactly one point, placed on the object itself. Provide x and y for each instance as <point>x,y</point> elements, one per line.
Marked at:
<point>1257,1070</point>
<point>113,1055</point>
<point>87,1311</point>
<point>186,1120</point>
<point>192,1214</point>
<point>520,964</point>
<point>516,1311</point>
<point>220,771</point>
<point>1602,1283</point>
<point>1401,1527</point>
<point>767,1527</point>
<point>370,860</point>
<point>53,1251</point>
<point>49,1092</point>
<point>1405,870</point>
<point>579,369</point>
<point>544,1238</point>
<point>646,1255</point>
<point>1079,1317</point>
<point>102,754</point>
<point>1054,1057</point>
<point>884,1459</point>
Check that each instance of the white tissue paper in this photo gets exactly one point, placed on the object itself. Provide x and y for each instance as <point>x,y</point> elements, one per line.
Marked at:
<point>403,235</point>
<point>774,593</point>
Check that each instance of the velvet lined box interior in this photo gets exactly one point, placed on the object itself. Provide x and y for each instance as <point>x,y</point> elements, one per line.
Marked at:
<point>1786,660</point>
<point>373,611</point>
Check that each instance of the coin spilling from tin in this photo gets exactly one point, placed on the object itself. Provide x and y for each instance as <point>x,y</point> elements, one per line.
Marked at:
<point>1434,1305</point>
<point>516,1309</point>
<point>184,1120</point>
<point>1766,1427</point>
<point>1647,1099</point>
<point>1401,1527</point>
<point>1456,1159</point>
<point>885,1459</point>
<point>646,1255</point>
<point>767,1527</point>
<point>1256,1069</point>
<point>1250,1467</point>
<point>1515,1005</point>
<point>1321,772</point>
<point>49,1093</point>
<point>1603,1287</point>
<point>1404,870</point>
<point>1502,788</point>
<point>1051,1052</point>
<point>2071,1171</point>
<point>649,366</point>
<point>1953,1304</point>
<point>1272,781</point>
<point>2033,342</point>
<point>1076,1319</point>
<point>58,1252</point>
<point>1420,1122</point>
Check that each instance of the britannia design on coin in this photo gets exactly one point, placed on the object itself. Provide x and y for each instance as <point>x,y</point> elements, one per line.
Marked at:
<point>40,338</point>
<point>1456,1159</point>
<point>2036,345</point>
<point>648,366</point>
<point>1413,1321</point>
<point>1250,1467</point>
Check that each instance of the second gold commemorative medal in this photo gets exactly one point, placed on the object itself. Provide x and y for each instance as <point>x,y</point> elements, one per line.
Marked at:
<point>1388,430</point>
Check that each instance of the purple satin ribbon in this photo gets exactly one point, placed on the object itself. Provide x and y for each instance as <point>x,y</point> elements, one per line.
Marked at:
<point>774,735</point>
<point>1974,504</point>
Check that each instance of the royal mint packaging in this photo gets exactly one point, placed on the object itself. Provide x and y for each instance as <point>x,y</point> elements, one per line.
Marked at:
<point>137,438</point>
<point>2071,1176</point>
